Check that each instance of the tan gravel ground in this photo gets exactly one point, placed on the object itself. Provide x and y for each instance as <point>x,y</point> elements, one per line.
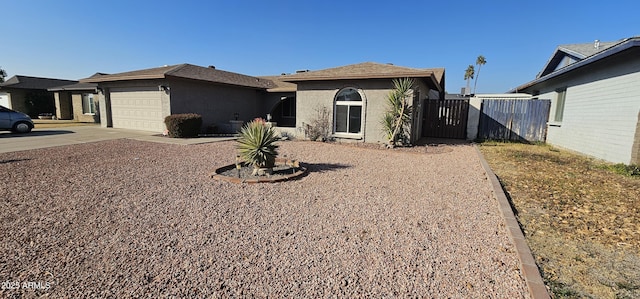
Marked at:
<point>127,218</point>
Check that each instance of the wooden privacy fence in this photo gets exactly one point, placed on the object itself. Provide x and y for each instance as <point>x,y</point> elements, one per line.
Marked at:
<point>445,118</point>
<point>518,120</point>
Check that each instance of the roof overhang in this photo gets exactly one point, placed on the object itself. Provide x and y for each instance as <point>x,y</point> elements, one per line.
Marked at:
<point>429,77</point>
<point>622,46</point>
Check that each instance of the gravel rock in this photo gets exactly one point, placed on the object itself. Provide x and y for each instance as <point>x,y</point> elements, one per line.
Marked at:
<point>127,218</point>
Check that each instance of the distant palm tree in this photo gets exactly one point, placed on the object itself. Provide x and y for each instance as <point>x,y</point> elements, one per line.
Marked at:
<point>480,61</point>
<point>468,75</point>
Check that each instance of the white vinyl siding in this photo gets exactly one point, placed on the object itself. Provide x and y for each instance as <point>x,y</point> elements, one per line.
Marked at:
<point>600,117</point>
<point>137,109</point>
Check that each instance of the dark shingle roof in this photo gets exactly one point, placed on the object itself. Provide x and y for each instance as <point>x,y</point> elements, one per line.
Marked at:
<point>76,87</point>
<point>27,82</point>
<point>187,71</point>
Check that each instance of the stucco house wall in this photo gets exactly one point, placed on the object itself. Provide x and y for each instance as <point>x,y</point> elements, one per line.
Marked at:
<point>314,95</point>
<point>217,103</point>
<point>63,104</point>
<point>601,110</point>
<point>79,115</point>
<point>18,101</point>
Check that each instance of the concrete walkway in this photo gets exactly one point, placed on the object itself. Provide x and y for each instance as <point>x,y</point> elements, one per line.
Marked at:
<point>41,138</point>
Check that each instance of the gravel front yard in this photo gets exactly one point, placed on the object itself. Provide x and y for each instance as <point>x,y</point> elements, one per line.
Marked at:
<point>127,218</point>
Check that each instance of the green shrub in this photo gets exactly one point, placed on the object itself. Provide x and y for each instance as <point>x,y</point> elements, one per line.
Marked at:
<point>183,125</point>
<point>256,144</point>
<point>623,169</point>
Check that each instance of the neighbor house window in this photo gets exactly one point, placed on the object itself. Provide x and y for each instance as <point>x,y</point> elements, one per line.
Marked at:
<point>348,111</point>
<point>88,106</point>
<point>560,97</point>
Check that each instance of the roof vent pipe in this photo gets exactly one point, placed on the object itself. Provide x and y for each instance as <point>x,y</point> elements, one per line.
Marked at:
<point>596,44</point>
<point>212,67</point>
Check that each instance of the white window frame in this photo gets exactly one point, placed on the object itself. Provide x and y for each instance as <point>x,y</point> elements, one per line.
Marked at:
<point>349,104</point>
<point>561,97</point>
<point>91,105</point>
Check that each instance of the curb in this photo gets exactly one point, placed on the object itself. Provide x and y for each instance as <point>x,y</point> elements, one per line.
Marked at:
<point>530,270</point>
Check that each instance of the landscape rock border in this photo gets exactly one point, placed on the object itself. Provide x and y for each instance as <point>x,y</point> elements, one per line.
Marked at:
<point>301,170</point>
<point>528,266</point>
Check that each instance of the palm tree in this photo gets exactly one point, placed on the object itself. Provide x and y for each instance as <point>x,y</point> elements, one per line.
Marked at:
<point>468,75</point>
<point>480,61</point>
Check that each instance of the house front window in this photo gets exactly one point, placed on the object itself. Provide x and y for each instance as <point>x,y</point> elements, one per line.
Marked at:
<point>560,97</point>
<point>348,112</point>
<point>88,105</point>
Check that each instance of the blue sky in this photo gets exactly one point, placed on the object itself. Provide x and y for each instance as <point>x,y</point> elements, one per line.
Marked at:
<point>75,39</point>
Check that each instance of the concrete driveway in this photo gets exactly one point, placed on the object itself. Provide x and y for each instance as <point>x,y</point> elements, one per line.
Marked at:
<point>41,138</point>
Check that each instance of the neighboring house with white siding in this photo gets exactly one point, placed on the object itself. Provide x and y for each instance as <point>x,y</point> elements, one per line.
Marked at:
<point>594,90</point>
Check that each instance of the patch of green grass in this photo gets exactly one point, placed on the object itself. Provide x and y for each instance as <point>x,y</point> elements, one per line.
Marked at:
<point>561,290</point>
<point>623,169</point>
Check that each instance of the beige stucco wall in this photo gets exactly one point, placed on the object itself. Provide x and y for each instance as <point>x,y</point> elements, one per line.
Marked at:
<point>78,114</point>
<point>314,95</point>
<point>216,103</point>
<point>18,100</point>
<point>63,105</point>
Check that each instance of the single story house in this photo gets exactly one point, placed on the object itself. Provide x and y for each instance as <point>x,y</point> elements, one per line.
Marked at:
<point>594,90</point>
<point>77,101</point>
<point>355,97</point>
<point>30,94</point>
<point>141,99</point>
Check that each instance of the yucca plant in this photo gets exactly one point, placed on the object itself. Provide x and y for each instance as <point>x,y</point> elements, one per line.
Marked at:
<point>256,144</point>
<point>398,114</point>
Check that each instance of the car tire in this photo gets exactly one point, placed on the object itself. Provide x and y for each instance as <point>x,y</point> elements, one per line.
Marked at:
<point>22,127</point>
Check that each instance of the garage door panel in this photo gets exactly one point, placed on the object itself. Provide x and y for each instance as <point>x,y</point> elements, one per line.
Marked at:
<point>137,109</point>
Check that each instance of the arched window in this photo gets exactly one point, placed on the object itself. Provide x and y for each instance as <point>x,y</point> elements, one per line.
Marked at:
<point>348,111</point>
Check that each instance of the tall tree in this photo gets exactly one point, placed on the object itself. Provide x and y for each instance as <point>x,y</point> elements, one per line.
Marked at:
<point>3,74</point>
<point>468,75</point>
<point>480,61</point>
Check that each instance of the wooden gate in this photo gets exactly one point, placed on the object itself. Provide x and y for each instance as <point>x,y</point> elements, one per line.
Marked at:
<point>518,120</point>
<point>445,118</point>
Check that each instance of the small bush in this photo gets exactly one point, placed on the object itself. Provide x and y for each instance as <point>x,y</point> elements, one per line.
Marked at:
<point>320,126</point>
<point>183,125</point>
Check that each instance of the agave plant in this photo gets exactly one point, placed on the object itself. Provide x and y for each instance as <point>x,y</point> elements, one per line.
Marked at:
<point>256,144</point>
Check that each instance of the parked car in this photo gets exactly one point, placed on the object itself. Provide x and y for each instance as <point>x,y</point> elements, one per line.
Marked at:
<point>15,121</point>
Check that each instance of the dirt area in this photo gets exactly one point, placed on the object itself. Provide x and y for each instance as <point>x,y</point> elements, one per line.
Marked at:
<point>43,124</point>
<point>126,218</point>
<point>581,220</point>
